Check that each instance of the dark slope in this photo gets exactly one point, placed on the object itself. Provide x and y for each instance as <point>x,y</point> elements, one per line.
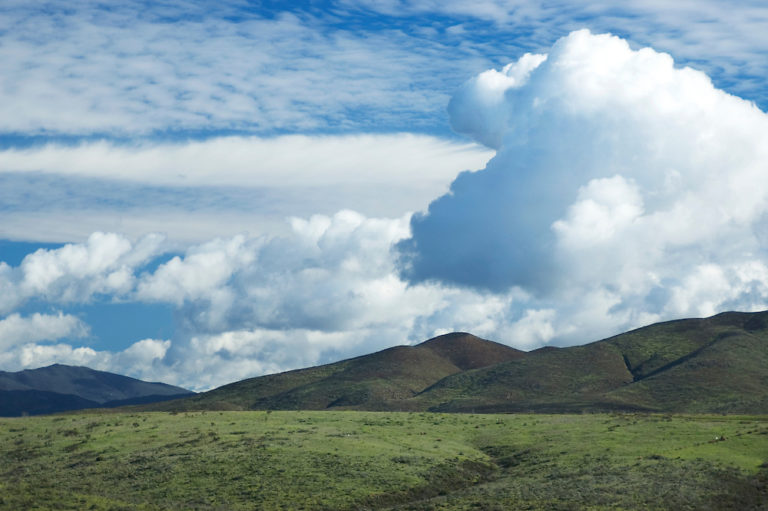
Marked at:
<point>548,379</point>
<point>381,381</point>
<point>717,364</point>
<point>60,387</point>
<point>15,403</point>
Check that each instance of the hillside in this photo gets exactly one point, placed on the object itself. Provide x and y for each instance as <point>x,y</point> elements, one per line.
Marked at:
<point>60,387</point>
<point>385,380</point>
<point>717,364</point>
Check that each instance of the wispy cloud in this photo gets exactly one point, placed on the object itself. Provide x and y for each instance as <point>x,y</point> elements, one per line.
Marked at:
<point>726,40</point>
<point>81,67</point>
<point>193,191</point>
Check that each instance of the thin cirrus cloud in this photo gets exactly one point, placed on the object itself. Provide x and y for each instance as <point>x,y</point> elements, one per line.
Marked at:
<point>80,68</point>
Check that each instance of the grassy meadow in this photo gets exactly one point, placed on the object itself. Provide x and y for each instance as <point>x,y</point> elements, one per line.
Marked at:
<point>382,460</point>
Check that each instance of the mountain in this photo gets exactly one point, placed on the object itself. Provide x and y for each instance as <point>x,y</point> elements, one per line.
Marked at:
<point>60,387</point>
<point>711,365</point>
<point>385,380</point>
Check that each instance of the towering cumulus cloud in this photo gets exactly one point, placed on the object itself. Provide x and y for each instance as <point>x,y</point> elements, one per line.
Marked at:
<point>618,178</point>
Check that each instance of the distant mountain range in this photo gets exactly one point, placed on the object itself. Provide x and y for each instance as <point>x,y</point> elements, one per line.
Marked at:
<point>712,365</point>
<point>60,388</point>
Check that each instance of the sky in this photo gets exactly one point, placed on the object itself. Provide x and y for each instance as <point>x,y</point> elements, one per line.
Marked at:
<point>200,192</point>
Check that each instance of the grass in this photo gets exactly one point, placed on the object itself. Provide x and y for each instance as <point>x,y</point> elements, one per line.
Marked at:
<point>370,460</point>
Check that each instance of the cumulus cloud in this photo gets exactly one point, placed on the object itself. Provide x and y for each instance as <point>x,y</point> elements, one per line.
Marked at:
<point>479,107</point>
<point>77,272</point>
<point>249,305</point>
<point>16,329</point>
<point>618,175</point>
<point>331,273</point>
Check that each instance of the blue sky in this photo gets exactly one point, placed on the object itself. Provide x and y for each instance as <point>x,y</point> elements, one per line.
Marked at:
<point>198,192</point>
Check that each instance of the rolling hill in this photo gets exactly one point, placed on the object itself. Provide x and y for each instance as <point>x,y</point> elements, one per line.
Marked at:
<point>385,380</point>
<point>58,388</point>
<point>712,365</point>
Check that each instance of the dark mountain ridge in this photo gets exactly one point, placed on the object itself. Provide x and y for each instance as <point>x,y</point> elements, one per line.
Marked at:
<point>61,387</point>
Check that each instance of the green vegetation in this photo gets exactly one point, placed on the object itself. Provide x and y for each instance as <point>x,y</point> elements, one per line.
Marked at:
<point>382,460</point>
<point>712,365</point>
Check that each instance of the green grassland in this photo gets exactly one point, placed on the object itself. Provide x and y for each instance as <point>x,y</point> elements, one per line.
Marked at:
<point>382,460</point>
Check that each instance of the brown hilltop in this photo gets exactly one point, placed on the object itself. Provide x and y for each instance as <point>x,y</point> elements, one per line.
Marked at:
<point>467,351</point>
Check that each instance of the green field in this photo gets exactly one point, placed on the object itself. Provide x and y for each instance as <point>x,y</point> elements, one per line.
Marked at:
<point>368,460</point>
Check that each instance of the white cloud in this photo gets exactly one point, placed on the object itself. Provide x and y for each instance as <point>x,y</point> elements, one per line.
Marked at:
<point>283,161</point>
<point>83,68</point>
<point>16,329</point>
<point>534,329</point>
<point>246,306</point>
<point>708,287</point>
<point>239,354</point>
<point>143,359</point>
<point>331,273</point>
<point>33,355</point>
<point>194,191</point>
<point>621,181</point>
<point>603,209</point>
<point>100,256</point>
<point>75,273</point>
<point>479,106</point>
<point>726,40</point>
<point>204,268</point>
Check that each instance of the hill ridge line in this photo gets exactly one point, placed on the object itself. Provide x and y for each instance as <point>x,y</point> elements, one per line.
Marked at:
<point>644,370</point>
